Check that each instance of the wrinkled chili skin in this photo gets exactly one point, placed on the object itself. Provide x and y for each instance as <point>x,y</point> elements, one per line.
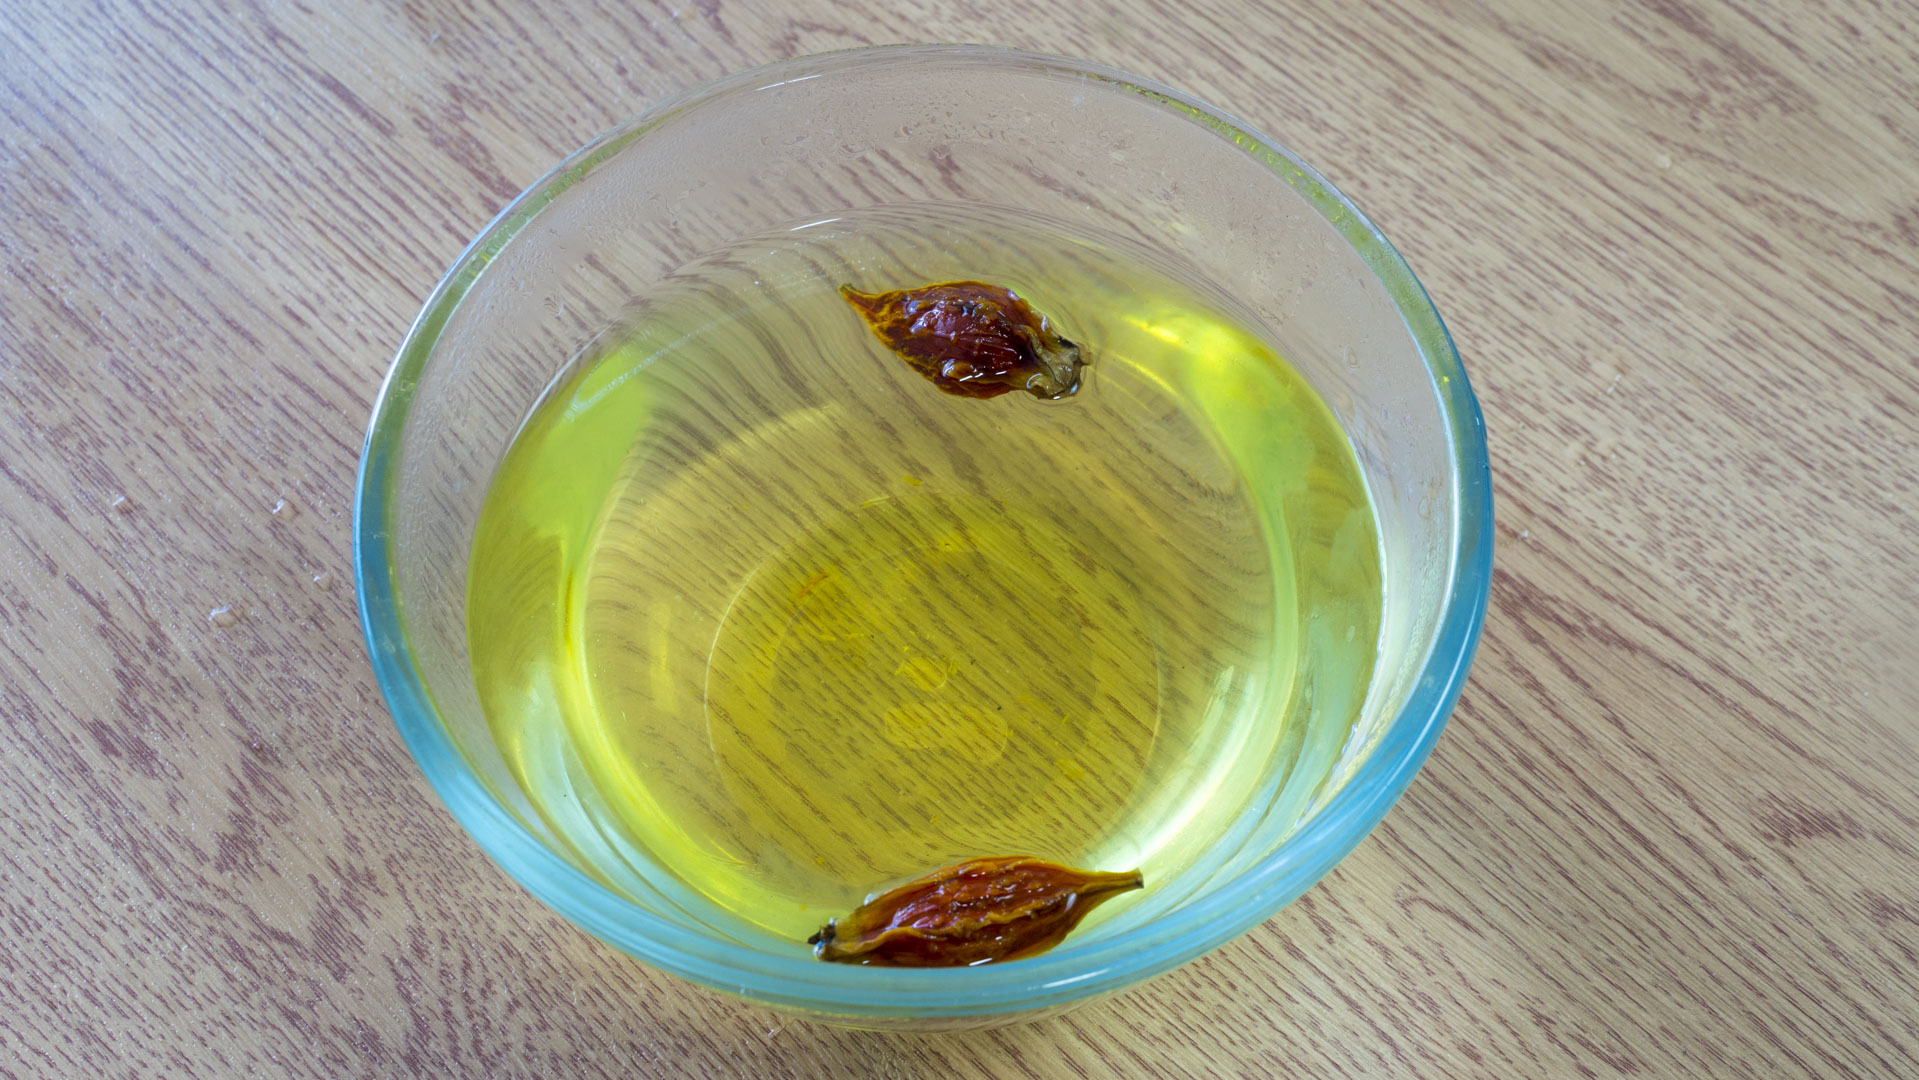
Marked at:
<point>972,339</point>
<point>976,912</point>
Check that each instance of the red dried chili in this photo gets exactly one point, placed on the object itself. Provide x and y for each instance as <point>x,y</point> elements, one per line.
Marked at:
<point>972,339</point>
<point>975,912</point>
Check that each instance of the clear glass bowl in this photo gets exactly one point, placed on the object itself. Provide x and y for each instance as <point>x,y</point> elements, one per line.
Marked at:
<point>1084,145</point>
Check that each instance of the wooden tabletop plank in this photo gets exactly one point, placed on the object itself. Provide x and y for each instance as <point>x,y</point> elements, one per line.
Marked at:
<point>1668,833</point>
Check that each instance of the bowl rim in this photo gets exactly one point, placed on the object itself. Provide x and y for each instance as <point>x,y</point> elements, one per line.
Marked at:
<point>1043,982</point>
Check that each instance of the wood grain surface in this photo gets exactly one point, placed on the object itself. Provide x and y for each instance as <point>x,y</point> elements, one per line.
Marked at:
<point>1670,831</point>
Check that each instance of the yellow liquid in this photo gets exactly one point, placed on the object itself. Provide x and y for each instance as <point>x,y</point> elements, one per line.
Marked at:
<point>762,621</point>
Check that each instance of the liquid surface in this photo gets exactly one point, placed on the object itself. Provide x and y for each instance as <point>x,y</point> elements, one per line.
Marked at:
<point>763,622</point>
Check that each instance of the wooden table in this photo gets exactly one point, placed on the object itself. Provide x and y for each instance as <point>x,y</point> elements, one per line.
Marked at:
<point>1670,831</point>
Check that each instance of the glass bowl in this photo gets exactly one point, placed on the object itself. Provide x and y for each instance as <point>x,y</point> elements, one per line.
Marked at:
<point>1083,145</point>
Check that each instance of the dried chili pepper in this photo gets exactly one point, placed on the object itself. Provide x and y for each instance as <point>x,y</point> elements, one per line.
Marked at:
<point>981,910</point>
<point>972,339</point>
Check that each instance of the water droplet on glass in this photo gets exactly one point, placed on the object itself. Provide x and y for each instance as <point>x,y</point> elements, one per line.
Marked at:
<point>122,504</point>
<point>285,510</point>
<point>222,617</point>
<point>323,580</point>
